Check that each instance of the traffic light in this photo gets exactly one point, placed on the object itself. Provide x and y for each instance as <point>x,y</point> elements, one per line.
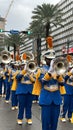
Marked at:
<point>1,30</point>
<point>26,32</point>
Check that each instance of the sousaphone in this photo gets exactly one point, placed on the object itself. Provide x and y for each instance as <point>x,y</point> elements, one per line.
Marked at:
<point>6,57</point>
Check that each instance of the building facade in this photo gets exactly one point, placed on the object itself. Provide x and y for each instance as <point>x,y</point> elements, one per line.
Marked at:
<point>2,35</point>
<point>63,36</point>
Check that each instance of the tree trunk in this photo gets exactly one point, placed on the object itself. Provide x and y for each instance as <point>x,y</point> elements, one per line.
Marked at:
<point>14,51</point>
<point>38,50</point>
<point>8,48</point>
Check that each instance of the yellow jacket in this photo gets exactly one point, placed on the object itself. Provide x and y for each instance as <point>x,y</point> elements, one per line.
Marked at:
<point>14,84</point>
<point>37,85</point>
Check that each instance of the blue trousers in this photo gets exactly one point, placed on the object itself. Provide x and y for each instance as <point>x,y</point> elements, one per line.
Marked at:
<point>0,86</point>
<point>49,116</point>
<point>4,84</point>
<point>14,100</point>
<point>8,90</point>
<point>25,103</point>
<point>35,97</point>
<point>68,105</point>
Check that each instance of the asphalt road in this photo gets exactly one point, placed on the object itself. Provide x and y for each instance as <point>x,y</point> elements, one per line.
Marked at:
<point>8,119</point>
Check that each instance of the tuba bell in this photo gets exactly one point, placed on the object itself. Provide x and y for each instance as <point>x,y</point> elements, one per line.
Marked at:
<point>31,66</point>
<point>60,65</point>
<point>6,57</point>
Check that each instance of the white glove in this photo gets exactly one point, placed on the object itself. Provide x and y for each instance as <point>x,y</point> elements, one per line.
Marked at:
<point>71,70</point>
<point>51,69</point>
<point>25,66</point>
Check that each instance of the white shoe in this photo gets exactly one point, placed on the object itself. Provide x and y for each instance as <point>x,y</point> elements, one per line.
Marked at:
<point>19,122</point>
<point>29,121</point>
<point>13,108</point>
<point>34,101</point>
<point>16,107</point>
<point>7,101</point>
<point>63,119</point>
<point>3,95</point>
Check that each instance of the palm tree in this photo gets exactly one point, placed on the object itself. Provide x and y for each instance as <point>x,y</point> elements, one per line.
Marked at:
<point>43,17</point>
<point>14,40</point>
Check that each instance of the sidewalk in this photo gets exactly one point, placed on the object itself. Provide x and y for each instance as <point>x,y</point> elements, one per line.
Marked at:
<point>8,119</point>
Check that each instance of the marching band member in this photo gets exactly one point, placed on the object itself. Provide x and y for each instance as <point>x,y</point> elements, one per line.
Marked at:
<point>14,100</point>
<point>50,97</point>
<point>2,81</point>
<point>8,83</point>
<point>36,86</point>
<point>25,97</point>
<point>68,97</point>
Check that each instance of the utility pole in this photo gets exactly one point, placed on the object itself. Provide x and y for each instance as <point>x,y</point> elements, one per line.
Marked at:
<point>38,50</point>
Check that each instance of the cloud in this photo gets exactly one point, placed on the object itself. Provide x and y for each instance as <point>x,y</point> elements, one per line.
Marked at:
<point>20,13</point>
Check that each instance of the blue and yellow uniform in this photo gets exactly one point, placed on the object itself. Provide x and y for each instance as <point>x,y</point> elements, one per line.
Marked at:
<point>4,82</point>
<point>25,97</point>
<point>68,97</point>
<point>14,100</point>
<point>8,84</point>
<point>50,100</point>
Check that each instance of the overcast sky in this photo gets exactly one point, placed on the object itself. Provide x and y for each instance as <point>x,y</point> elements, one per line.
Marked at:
<point>20,13</point>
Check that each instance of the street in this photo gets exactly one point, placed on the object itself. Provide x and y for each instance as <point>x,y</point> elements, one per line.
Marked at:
<point>8,119</point>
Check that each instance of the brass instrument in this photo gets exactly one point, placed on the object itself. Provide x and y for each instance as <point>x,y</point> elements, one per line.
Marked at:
<point>60,65</point>
<point>6,56</point>
<point>31,66</point>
